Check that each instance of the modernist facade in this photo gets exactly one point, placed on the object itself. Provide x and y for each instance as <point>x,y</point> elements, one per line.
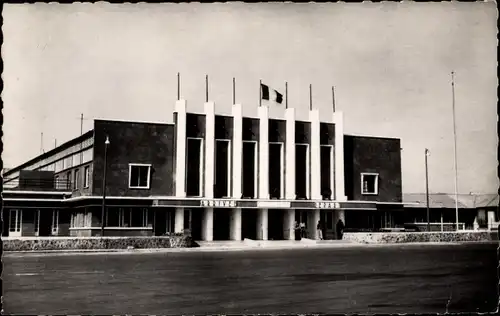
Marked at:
<point>220,177</point>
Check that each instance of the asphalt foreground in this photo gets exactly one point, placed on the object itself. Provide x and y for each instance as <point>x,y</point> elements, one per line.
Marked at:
<point>430,278</point>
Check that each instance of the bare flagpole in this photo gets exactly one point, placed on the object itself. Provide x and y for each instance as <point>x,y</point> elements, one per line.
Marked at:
<point>178,86</point>
<point>310,97</point>
<point>206,88</point>
<point>455,145</point>
<point>286,95</point>
<point>333,98</point>
<point>260,92</point>
<point>234,91</point>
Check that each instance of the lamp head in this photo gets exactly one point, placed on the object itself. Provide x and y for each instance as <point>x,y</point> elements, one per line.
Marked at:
<point>107,140</point>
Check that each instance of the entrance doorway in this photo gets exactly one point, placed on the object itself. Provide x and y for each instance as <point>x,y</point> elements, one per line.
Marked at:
<point>192,222</point>
<point>328,219</point>
<point>249,224</point>
<point>221,224</point>
<point>275,224</point>
<point>46,219</point>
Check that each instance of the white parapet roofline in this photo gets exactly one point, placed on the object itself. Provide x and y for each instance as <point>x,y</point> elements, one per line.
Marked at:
<point>38,192</point>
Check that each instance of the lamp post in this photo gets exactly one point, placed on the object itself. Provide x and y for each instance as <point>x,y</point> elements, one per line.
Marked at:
<point>427,153</point>
<point>106,144</point>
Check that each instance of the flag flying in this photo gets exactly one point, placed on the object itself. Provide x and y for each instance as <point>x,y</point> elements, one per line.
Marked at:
<point>270,94</point>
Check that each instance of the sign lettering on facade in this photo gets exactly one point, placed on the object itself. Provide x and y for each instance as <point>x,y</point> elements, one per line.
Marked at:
<point>325,204</point>
<point>218,203</point>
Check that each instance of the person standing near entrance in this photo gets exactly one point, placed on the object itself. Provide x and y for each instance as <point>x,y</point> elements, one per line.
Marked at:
<point>319,229</point>
<point>340,229</point>
<point>297,231</point>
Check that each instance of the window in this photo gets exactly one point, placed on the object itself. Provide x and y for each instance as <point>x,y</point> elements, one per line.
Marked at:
<point>55,222</point>
<point>113,217</point>
<point>15,221</point>
<point>86,176</point>
<point>68,162</point>
<point>127,217</point>
<point>87,155</point>
<point>139,176</point>
<point>68,177</point>
<point>59,166</point>
<point>76,159</point>
<point>76,183</point>
<point>369,183</point>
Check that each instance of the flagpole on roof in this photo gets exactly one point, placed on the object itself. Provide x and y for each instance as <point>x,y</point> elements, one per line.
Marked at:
<point>178,86</point>
<point>310,98</point>
<point>333,98</point>
<point>286,95</point>
<point>260,92</point>
<point>455,145</point>
<point>234,91</point>
<point>206,88</point>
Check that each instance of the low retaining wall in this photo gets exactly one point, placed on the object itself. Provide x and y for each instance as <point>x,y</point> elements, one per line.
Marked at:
<point>95,243</point>
<point>409,237</point>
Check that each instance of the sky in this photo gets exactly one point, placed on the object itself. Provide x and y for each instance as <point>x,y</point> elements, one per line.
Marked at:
<point>390,64</point>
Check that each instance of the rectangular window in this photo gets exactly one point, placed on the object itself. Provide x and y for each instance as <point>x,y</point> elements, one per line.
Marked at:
<point>369,183</point>
<point>302,171</point>
<point>86,176</point>
<point>194,166</point>
<point>127,217</point>
<point>276,170</point>
<point>59,166</point>
<point>88,219</point>
<point>15,222</point>
<point>249,172</point>
<point>68,178</point>
<point>139,217</point>
<point>326,152</point>
<point>76,182</point>
<point>68,162</point>
<point>139,176</point>
<point>113,217</point>
<point>87,155</point>
<point>222,168</point>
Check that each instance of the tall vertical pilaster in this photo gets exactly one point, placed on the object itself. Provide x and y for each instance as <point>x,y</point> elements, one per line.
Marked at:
<point>209,149</point>
<point>338,120</point>
<point>180,150</point>
<point>179,220</point>
<point>237,151</point>
<point>290,154</point>
<point>263,113</point>
<point>207,227</point>
<point>313,217</point>
<point>289,224</point>
<point>315,161</point>
<point>235,228</point>
<point>262,224</point>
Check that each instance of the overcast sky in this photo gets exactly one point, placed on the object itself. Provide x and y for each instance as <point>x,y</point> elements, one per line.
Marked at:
<point>390,64</point>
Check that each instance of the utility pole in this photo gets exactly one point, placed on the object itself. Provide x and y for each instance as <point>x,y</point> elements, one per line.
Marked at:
<point>427,189</point>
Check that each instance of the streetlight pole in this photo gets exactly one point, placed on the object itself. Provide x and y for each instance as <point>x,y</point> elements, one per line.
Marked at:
<point>106,144</point>
<point>427,153</point>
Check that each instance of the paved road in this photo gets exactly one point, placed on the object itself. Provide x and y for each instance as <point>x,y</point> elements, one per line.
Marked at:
<point>403,279</point>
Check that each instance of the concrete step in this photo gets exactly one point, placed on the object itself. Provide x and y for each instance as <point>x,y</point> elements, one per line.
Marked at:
<point>221,243</point>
